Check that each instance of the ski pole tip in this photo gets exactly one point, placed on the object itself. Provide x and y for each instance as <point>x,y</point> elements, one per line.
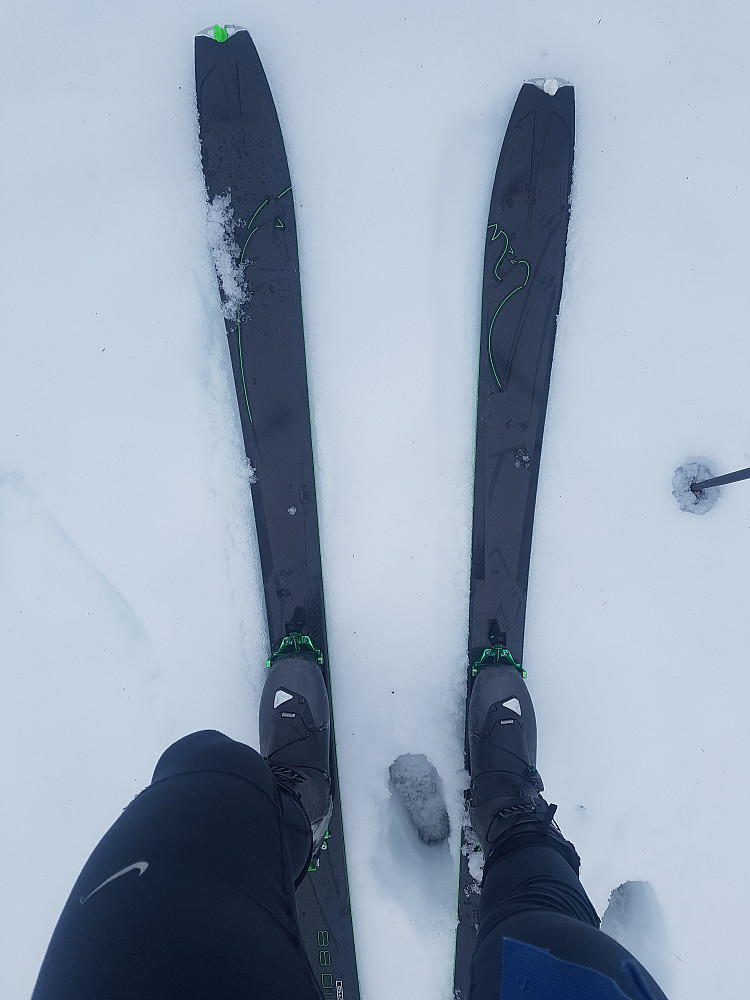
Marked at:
<point>684,480</point>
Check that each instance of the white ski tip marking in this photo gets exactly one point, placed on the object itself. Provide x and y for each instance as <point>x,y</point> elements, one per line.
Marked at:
<point>288,715</point>
<point>550,85</point>
<point>513,704</point>
<point>280,697</point>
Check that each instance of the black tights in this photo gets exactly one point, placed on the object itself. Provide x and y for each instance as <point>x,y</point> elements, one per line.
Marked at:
<point>190,895</point>
<point>533,897</point>
<point>212,914</point>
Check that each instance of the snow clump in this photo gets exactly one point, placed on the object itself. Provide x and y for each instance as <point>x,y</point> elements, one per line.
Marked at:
<point>417,783</point>
<point>226,254</point>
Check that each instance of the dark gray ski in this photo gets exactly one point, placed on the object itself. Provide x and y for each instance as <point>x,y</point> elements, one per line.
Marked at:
<point>523,274</point>
<point>248,184</point>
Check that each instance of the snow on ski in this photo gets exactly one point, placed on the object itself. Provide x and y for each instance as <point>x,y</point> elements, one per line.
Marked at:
<point>253,234</point>
<point>523,274</point>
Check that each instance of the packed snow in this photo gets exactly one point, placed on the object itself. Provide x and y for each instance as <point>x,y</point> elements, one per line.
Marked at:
<point>130,600</point>
<point>418,787</point>
<point>220,224</point>
<point>634,918</point>
<point>688,500</point>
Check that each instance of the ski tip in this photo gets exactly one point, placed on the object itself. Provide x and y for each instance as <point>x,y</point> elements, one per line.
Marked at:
<point>220,33</point>
<point>550,85</point>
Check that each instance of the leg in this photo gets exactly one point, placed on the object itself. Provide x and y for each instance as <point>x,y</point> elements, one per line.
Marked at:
<point>537,923</point>
<point>190,894</point>
<point>538,931</point>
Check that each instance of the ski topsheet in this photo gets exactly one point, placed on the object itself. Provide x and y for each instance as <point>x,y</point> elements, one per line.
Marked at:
<point>523,274</point>
<point>254,238</point>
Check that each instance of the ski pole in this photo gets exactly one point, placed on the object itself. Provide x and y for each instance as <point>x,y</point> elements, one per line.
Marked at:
<point>731,477</point>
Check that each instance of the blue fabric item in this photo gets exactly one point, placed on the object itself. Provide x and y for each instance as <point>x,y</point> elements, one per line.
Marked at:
<point>531,973</point>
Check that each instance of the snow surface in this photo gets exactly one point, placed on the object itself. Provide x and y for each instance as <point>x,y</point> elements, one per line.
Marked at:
<point>130,608</point>
<point>634,918</point>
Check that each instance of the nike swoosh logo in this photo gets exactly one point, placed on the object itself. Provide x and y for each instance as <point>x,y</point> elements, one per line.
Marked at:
<point>139,866</point>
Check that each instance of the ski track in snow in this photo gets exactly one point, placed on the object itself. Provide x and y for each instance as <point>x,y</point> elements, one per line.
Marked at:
<point>33,539</point>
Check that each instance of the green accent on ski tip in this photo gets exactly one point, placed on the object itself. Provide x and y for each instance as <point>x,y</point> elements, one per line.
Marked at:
<point>496,654</point>
<point>296,644</point>
<point>220,34</point>
<point>506,249</point>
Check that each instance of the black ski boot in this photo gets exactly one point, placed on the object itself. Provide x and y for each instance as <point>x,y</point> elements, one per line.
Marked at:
<point>505,801</point>
<point>295,716</point>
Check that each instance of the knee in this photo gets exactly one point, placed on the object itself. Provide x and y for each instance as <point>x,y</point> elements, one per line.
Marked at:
<point>209,750</point>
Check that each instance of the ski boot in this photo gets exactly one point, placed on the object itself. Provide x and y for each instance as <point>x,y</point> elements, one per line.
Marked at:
<point>506,807</point>
<point>295,724</point>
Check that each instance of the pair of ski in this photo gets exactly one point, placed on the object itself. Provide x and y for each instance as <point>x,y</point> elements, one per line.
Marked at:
<point>246,173</point>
